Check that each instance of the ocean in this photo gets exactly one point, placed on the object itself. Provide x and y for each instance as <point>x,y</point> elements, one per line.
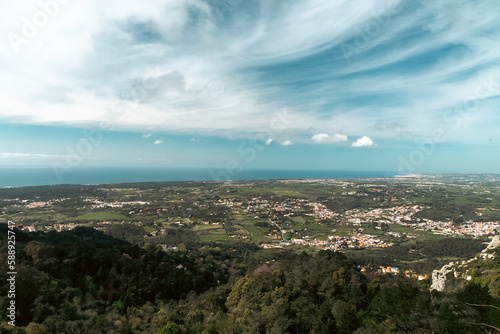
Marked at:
<point>21,177</point>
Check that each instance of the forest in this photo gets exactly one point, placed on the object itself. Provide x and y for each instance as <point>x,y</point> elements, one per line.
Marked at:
<point>86,281</point>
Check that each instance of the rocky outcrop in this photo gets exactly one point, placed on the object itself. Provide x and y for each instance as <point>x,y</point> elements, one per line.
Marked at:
<point>456,268</point>
<point>439,277</point>
<point>494,244</point>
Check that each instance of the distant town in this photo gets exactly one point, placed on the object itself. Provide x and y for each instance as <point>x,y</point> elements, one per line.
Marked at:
<point>280,217</point>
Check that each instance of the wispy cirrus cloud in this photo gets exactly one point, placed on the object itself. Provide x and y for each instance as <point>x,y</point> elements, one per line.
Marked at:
<point>193,67</point>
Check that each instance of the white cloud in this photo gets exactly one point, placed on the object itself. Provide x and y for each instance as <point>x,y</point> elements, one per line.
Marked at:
<point>320,137</point>
<point>286,143</point>
<point>158,141</point>
<point>363,142</point>
<point>326,138</point>
<point>269,141</point>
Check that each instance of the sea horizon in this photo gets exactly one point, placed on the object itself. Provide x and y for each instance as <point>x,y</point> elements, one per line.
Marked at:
<point>42,176</point>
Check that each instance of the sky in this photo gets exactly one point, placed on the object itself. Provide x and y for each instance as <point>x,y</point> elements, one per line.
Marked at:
<point>405,86</point>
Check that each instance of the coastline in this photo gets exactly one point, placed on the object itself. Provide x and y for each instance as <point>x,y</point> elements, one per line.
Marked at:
<point>29,177</point>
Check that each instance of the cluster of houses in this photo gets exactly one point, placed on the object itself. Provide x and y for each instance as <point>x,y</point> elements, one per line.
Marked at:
<point>297,206</point>
<point>403,215</point>
<point>394,215</point>
<point>97,204</point>
<point>53,227</point>
<point>396,271</point>
<point>321,211</point>
<point>29,228</point>
<point>32,205</point>
<point>471,228</point>
<point>337,243</point>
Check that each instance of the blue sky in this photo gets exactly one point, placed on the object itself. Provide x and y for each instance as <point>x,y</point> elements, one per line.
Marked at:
<point>408,86</point>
